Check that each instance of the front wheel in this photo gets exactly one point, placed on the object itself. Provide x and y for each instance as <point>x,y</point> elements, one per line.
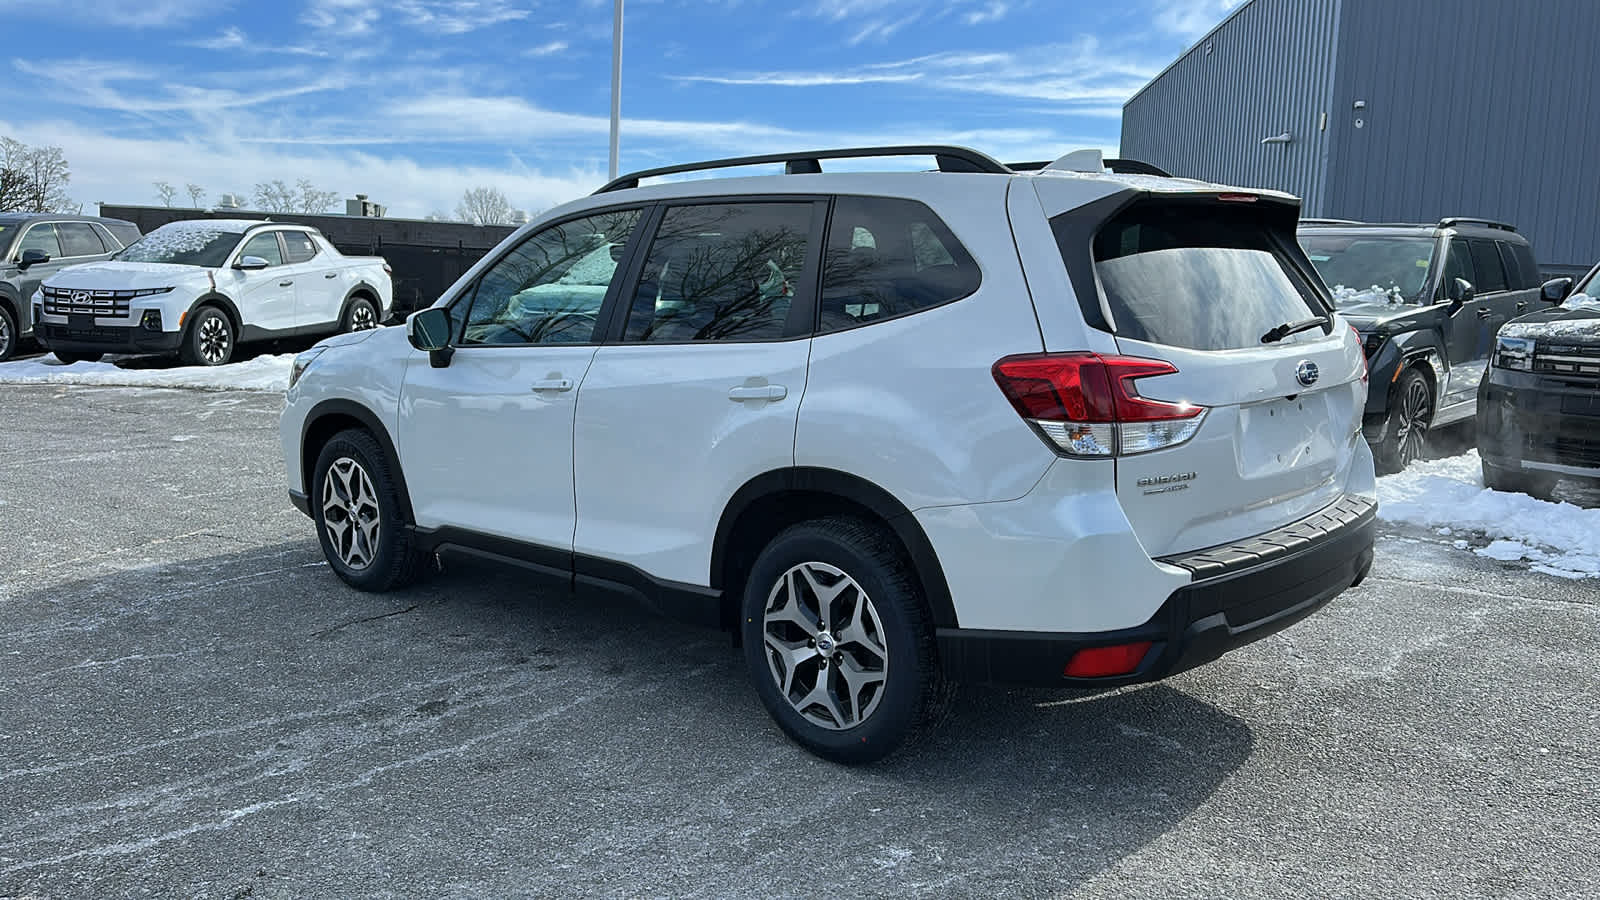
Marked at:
<point>1540,485</point>
<point>210,339</point>
<point>1405,434</point>
<point>838,641</point>
<point>360,315</point>
<point>360,515</point>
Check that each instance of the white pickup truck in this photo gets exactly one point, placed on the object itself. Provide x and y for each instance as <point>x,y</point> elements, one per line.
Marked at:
<point>200,288</point>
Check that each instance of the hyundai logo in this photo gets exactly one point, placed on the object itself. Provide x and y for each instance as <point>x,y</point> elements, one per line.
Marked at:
<point>1306,373</point>
<point>79,297</point>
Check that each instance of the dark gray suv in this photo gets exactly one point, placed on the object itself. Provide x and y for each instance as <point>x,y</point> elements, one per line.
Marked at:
<point>34,246</point>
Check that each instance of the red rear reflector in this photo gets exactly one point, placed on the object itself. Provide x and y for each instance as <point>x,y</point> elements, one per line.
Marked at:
<point>1237,198</point>
<point>1366,371</point>
<point>1103,662</point>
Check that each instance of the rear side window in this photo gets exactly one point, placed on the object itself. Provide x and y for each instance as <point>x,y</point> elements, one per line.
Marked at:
<point>721,272</point>
<point>887,258</point>
<point>1526,264</point>
<point>1514,276</point>
<point>299,246</point>
<point>1486,262</point>
<point>79,239</point>
<point>1198,275</point>
<point>125,232</point>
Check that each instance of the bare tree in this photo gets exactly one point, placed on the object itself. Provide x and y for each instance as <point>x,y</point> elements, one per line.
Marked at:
<point>484,206</point>
<point>274,196</point>
<point>33,179</point>
<point>197,194</point>
<point>166,192</point>
<point>313,201</point>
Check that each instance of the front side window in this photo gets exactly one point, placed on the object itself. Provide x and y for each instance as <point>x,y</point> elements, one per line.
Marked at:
<point>1457,264</point>
<point>1198,275</point>
<point>265,246</point>
<point>887,258</point>
<point>40,237</point>
<point>299,245</point>
<point>79,239</point>
<point>550,288</point>
<point>1354,264</point>
<point>721,272</point>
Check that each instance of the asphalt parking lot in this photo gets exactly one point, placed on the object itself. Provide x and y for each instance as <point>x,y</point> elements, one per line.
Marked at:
<point>192,705</point>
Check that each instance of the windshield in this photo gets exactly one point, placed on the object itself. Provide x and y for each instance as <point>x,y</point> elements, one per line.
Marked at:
<point>184,244</point>
<point>1361,268</point>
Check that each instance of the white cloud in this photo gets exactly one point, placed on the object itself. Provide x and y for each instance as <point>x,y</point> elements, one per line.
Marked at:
<point>344,18</point>
<point>993,12</point>
<point>1190,19</point>
<point>803,79</point>
<point>457,16</point>
<point>232,38</point>
<point>547,49</point>
<point>134,13</point>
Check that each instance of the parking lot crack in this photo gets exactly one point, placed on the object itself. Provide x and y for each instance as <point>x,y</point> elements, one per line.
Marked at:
<point>387,615</point>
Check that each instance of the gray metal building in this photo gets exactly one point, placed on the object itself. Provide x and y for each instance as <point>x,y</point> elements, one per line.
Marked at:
<point>1395,111</point>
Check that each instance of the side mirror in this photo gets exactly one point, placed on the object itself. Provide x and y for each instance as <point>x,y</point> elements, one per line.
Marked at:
<point>31,258</point>
<point>251,263</point>
<point>429,329</point>
<point>1556,290</point>
<point>1461,293</point>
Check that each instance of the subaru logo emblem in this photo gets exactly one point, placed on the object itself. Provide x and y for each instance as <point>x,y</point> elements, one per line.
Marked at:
<point>1306,373</point>
<point>80,297</point>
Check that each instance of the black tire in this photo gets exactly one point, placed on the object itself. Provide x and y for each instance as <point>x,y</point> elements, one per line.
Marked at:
<point>210,339</point>
<point>70,358</point>
<point>912,695</point>
<point>1405,434</point>
<point>10,337</point>
<point>1540,485</point>
<point>392,559</point>
<point>360,314</point>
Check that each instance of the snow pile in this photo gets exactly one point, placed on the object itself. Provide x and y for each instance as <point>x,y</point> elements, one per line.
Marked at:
<point>264,373</point>
<point>1349,296</point>
<point>1558,538</point>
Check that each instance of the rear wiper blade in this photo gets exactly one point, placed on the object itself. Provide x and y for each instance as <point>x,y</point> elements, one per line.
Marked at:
<point>1288,328</point>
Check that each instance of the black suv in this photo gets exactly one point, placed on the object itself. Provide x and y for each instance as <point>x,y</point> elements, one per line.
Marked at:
<point>1427,300</point>
<point>1539,407</point>
<point>34,246</point>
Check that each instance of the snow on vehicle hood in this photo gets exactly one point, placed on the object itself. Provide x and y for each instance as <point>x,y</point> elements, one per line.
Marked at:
<point>1578,319</point>
<point>112,275</point>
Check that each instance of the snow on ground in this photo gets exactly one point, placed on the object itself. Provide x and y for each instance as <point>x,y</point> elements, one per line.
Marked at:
<point>263,373</point>
<point>1448,494</point>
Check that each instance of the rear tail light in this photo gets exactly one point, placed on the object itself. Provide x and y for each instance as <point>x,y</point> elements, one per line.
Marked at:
<point>1087,405</point>
<point>1104,662</point>
<point>1366,371</point>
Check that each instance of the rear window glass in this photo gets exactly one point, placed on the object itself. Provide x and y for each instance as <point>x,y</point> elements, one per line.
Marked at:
<point>1197,276</point>
<point>890,257</point>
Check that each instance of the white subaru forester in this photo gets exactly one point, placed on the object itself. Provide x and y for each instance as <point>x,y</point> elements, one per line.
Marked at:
<point>1069,427</point>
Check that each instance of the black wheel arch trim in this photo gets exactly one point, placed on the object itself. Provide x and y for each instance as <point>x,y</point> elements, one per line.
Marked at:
<point>854,489</point>
<point>366,288</point>
<point>219,300</point>
<point>368,420</point>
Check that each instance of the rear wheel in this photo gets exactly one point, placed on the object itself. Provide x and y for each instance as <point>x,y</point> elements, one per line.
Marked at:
<point>9,338</point>
<point>210,339</point>
<point>838,641</point>
<point>1515,481</point>
<point>360,515</point>
<point>360,315</point>
<point>1405,434</point>
<point>70,358</point>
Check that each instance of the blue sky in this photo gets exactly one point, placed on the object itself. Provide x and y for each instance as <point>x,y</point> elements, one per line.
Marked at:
<point>414,101</point>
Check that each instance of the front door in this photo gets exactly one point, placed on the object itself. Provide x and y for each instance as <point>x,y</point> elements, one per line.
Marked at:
<point>40,237</point>
<point>486,442</point>
<point>265,297</point>
<point>702,391</point>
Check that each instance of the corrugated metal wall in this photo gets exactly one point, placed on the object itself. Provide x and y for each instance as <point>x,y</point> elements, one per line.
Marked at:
<point>1473,107</point>
<point>1268,69</point>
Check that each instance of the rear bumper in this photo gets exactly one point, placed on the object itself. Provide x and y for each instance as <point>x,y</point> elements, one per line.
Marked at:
<point>1242,593</point>
<point>1532,423</point>
<point>106,339</point>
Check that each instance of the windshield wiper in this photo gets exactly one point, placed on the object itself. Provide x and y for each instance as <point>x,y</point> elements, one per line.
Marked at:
<point>1288,328</point>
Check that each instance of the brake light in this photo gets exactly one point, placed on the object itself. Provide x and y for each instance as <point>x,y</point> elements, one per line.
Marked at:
<point>1238,198</point>
<point>1366,370</point>
<point>1088,405</point>
<point>1104,662</point>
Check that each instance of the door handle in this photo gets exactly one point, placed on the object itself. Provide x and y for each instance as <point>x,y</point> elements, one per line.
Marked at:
<point>764,392</point>
<point>1484,312</point>
<point>553,384</point>
<point>285,283</point>
<point>1522,305</point>
<point>331,275</point>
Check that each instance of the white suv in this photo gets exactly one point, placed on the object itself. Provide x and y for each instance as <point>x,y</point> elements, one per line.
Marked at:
<point>1067,428</point>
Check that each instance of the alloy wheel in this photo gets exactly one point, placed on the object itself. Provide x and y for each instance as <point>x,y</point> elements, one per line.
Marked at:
<point>6,337</point>
<point>350,512</point>
<point>1416,409</point>
<point>825,645</point>
<point>214,340</point>
<point>363,317</point>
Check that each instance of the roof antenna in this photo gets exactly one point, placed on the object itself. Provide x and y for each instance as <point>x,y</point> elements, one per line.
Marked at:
<point>1079,161</point>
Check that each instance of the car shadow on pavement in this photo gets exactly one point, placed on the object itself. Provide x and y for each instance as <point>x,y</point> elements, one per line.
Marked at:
<point>246,716</point>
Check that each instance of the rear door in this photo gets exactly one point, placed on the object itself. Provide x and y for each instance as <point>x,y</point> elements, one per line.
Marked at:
<point>317,294</point>
<point>701,389</point>
<point>1198,283</point>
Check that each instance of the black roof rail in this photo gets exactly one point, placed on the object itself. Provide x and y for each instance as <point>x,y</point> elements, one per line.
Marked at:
<point>1450,221</point>
<point>1330,222</point>
<point>1117,166</point>
<point>949,158</point>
